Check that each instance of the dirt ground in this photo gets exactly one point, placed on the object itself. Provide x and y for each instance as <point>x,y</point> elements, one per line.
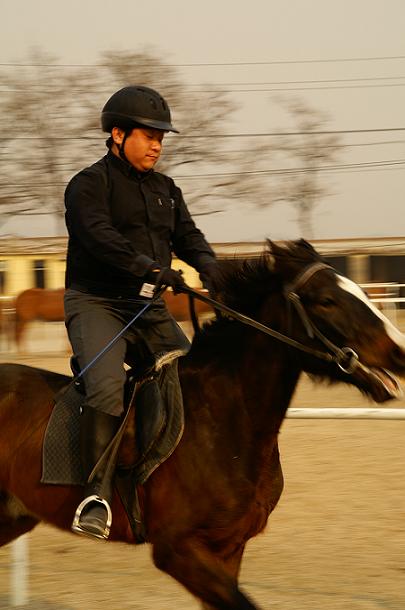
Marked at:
<point>335,541</point>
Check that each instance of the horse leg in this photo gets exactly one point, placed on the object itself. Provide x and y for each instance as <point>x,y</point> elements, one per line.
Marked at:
<point>14,529</point>
<point>232,566</point>
<point>14,520</point>
<point>203,573</point>
<point>18,332</point>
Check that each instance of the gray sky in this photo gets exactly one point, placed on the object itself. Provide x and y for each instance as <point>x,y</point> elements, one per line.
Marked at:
<point>364,203</point>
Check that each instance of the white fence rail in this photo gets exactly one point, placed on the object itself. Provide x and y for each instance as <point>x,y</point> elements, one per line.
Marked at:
<point>346,413</point>
<point>19,572</point>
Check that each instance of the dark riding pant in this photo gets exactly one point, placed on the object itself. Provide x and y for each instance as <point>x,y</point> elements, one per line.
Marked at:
<point>93,321</point>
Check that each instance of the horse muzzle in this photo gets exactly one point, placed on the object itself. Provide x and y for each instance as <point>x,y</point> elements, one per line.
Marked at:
<point>378,383</point>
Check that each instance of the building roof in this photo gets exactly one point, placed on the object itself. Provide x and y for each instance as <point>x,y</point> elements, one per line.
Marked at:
<point>43,246</point>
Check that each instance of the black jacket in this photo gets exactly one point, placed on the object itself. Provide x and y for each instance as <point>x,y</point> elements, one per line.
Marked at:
<point>122,223</point>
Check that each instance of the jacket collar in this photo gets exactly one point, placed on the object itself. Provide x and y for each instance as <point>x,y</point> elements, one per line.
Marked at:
<point>126,168</point>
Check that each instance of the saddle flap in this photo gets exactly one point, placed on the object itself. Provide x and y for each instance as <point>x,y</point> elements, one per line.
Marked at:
<point>150,416</point>
<point>153,430</point>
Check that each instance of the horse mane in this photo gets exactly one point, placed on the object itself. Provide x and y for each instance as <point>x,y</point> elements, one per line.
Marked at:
<point>243,284</point>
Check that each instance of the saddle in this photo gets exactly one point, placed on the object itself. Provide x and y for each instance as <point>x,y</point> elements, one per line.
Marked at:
<point>150,430</point>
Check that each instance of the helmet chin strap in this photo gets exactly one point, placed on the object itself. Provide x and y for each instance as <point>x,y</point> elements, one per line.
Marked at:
<point>121,147</point>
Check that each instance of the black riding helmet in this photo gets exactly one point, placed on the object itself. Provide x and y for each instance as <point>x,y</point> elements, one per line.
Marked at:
<point>136,105</point>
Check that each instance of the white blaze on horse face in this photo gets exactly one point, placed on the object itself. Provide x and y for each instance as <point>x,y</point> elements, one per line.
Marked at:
<point>395,335</point>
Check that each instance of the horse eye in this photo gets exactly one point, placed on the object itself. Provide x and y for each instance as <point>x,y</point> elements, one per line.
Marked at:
<point>326,302</point>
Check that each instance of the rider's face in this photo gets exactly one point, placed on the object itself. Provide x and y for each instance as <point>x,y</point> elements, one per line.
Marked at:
<point>142,147</point>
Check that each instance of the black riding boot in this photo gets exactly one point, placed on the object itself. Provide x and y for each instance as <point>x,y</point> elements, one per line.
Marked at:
<point>93,515</point>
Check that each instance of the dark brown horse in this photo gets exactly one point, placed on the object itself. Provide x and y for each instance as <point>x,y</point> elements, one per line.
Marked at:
<point>219,486</point>
<point>46,305</point>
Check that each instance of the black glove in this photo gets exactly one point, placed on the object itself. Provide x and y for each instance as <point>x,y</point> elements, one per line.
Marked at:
<point>167,277</point>
<point>207,277</point>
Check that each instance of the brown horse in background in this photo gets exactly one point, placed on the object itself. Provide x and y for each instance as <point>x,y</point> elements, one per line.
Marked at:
<point>47,305</point>
<point>217,489</point>
<point>37,304</point>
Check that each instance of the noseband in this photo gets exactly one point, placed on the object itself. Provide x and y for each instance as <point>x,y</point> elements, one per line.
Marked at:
<point>345,358</point>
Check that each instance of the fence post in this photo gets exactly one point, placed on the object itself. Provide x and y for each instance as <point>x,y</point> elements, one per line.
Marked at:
<point>19,572</point>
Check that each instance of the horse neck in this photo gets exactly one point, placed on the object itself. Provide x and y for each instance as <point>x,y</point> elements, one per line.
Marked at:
<point>269,374</point>
<point>248,373</point>
<point>237,409</point>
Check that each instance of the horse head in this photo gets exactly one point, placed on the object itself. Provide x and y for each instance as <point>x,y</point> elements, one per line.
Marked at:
<point>330,327</point>
<point>332,314</point>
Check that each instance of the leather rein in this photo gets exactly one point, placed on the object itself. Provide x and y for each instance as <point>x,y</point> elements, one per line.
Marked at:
<point>345,358</point>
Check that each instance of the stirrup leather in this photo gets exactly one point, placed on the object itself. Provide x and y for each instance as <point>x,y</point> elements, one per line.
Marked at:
<point>76,525</point>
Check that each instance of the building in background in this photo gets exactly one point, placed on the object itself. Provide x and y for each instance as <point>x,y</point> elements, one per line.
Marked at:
<point>40,262</point>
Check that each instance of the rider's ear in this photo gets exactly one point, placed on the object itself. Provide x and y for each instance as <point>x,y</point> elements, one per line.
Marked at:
<point>117,135</point>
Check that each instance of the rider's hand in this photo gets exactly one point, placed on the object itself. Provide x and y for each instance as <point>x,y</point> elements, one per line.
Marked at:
<point>207,277</point>
<point>167,277</point>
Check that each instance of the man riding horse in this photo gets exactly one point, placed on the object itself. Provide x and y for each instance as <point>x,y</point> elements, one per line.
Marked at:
<point>124,222</point>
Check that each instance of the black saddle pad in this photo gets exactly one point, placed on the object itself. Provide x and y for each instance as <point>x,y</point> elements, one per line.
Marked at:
<point>158,433</point>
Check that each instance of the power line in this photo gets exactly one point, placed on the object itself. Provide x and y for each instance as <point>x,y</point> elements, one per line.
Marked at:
<point>258,90</point>
<point>295,133</point>
<point>225,152</point>
<point>383,142</point>
<point>229,135</point>
<point>247,84</point>
<point>298,170</point>
<point>208,64</point>
<point>388,163</point>
<point>263,87</point>
<point>174,153</point>
<point>306,81</point>
<point>320,88</point>
<point>342,170</point>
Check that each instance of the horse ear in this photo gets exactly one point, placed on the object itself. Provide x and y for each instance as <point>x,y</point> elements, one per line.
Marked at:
<point>274,248</point>
<point>303,243</point>
<point>271,261</point>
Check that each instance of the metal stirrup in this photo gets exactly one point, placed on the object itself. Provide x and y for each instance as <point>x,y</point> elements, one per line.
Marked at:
<point>76,525</point>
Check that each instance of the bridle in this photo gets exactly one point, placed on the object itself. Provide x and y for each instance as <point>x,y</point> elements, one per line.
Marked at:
<point>344,357</point>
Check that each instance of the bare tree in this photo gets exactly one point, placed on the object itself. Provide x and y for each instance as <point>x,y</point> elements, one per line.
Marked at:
<point>55,115</point>
<point>37,142</point>
<point>309,151</point>
<point>50,123</point>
